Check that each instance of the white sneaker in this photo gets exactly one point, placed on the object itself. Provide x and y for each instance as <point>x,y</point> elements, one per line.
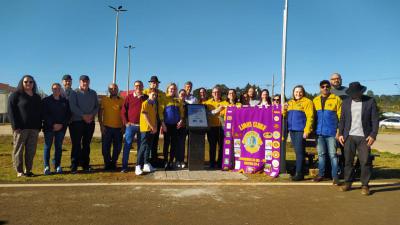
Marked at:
<point>59,170</point>
<point>148,168</point>
<point>46,170</point>
<point>138,171</point>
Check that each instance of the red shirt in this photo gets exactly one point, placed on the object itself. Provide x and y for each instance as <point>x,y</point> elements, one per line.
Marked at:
<point>130,111</point>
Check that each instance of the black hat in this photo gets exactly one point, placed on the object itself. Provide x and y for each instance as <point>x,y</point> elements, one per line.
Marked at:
<point>67,77</point>
<point>323,82</point>
<point>154,79</point>
<point>355,88</point>
<point>84,77</point>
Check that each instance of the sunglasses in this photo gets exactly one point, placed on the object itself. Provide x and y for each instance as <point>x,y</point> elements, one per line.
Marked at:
<point>325,87</point>
<point>28,82</point>
<point>276,99</point>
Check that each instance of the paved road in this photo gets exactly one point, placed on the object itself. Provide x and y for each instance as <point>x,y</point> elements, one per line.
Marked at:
<point>198,204</point>
<point>385,142</point>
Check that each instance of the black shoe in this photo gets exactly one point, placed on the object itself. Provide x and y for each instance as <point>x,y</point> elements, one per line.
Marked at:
<point>318,179</point>
<point>336,181</point>
<point>298,177</point>
<point>88,169</point>
<point>29,174</point>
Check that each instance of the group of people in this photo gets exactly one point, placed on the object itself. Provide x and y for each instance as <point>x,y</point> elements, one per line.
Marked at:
<point>338,116</point>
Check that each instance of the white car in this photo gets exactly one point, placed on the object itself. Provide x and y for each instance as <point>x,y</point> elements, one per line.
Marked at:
<point>393,123</point>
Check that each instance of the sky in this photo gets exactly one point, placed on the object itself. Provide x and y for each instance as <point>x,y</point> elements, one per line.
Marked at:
<point>209,42</point>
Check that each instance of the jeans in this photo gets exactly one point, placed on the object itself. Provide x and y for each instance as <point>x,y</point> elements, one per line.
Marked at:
<point>145,148</point>
<point>327,145</point>
<point>359,144</point>
<point>130,132</point>
<point>215,135</point>
<point>58,138</point>
<point>111,136</point>
<point>81,137</point>
<point>170,139</point>
<point>299,145</point>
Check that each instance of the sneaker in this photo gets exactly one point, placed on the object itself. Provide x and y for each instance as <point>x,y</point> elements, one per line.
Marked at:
<point>88,169</point>
<point>20,174</point>
<point>59,170</point>
<point>336,181</point>
<point>148,168</point>
<point>318,179</point>
<point>124,170</point>
<point>183,165</point>
<point>138,171</point>
<point>178,165</point>
<point>74,170</point>
<point>47,170</point>
<point>345,187</point>
<point>365,190</point>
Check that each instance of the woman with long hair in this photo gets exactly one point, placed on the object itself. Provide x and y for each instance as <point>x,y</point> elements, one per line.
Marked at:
<point>25,114</point>
<point>300,116</point>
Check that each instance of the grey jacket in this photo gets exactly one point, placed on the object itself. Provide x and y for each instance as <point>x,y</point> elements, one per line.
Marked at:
<point>83,102</point>
<point>369,117</point>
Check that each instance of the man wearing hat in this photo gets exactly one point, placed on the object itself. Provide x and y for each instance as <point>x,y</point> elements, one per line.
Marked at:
<point>154,83</point>
<point>67,83</point>
<point>84,107</point>
<point>358,128</point>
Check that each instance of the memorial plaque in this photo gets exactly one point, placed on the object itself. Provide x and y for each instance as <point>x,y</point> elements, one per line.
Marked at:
<point>197,124</point>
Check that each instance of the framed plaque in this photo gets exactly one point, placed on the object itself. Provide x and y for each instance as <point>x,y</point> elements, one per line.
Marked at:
<point>196,117</point>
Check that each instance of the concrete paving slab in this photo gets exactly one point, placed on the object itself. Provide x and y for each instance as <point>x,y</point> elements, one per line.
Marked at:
<point>206,175</point>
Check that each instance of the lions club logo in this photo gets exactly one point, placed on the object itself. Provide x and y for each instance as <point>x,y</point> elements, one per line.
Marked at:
<point>252,141</point>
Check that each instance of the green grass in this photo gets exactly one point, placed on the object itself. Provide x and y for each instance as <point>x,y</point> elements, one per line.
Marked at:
<point>386,166</point>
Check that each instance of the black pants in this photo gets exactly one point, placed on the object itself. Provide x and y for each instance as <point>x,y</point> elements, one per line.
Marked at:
<point>170,142</point>
<point>359,144</point>
<point>81,136</point>
<point>180,153</point>
<point>215,135</point>
<point>154,144</point>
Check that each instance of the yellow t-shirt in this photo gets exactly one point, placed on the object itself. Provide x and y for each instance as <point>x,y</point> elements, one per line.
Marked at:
<point>214,120</point>
<point>111,108</point>
<point>150,110</point>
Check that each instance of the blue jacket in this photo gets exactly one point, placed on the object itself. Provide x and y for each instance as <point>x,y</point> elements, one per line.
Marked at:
<point>327,118</point>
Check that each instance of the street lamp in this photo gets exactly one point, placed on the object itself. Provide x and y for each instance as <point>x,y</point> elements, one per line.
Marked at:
<point>118,10</point>
<point>129,67</point>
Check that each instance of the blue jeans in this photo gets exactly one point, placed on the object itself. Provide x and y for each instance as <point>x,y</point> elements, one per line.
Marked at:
<point>58,138</point>
<point>130,132</point>
<point>145,148</point>
<point>327,145</point>
<point>111,136</point>
<point>299,145</point>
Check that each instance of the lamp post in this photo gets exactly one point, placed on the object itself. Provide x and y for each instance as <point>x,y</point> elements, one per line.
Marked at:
<point>118,10</point>
<point>129,67</point>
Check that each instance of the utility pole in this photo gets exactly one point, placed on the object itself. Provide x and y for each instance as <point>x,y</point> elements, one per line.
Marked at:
<point>118,10</point>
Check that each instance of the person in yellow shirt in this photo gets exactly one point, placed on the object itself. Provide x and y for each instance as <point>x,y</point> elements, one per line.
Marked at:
<point>300,116</point>
<point>148,128</point>
<point>171,115</point>
<point>215,134</point>
<point>111,126</point>
<point>154,83</point>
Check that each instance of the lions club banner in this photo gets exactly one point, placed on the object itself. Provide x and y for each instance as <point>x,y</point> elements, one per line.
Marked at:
<point>252,139</point>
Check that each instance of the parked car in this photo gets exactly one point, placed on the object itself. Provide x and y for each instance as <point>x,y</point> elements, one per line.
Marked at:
<point>393,123</point>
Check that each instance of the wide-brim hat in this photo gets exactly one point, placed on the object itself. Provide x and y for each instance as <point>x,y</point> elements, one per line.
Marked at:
<point>154,79</point>
<point>355,88</point>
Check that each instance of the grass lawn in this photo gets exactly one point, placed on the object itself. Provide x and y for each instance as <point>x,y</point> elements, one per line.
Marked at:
<point>386,166</point>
